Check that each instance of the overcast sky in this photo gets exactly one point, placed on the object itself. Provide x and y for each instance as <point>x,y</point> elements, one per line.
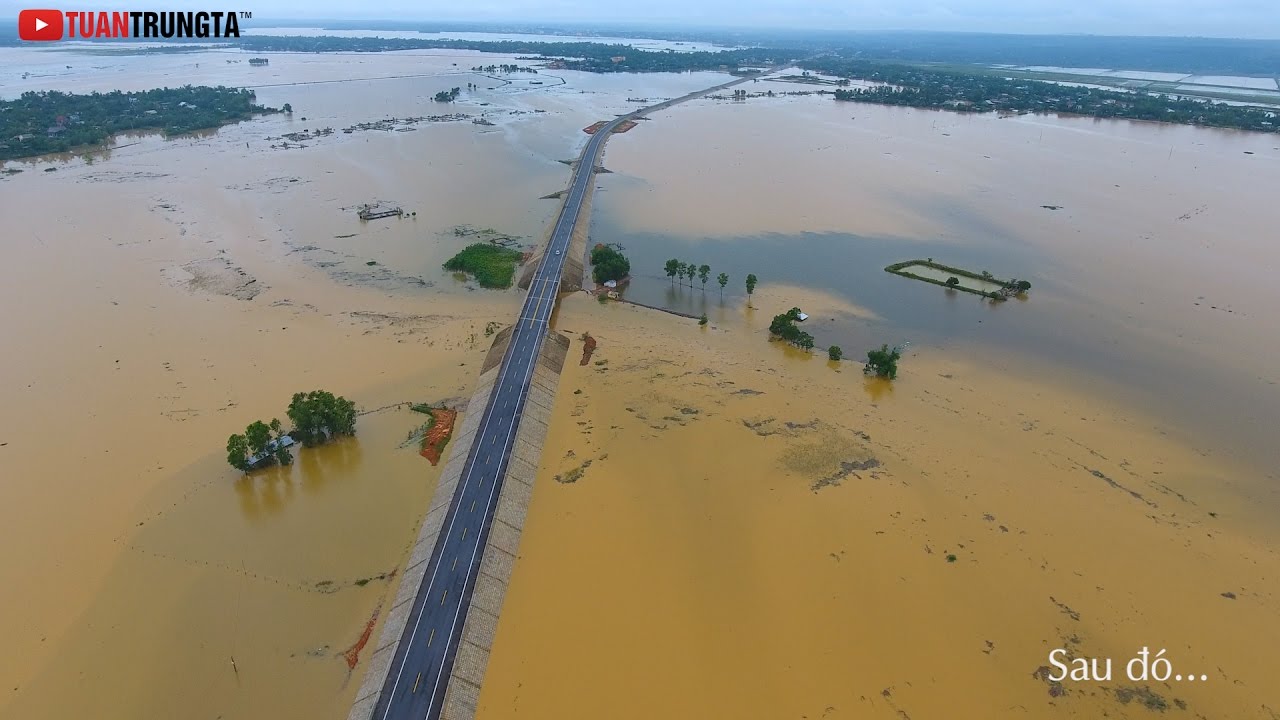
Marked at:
<point>1223,18</point>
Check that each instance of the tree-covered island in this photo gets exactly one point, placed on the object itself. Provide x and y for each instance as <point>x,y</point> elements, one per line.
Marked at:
<point>37,123</point>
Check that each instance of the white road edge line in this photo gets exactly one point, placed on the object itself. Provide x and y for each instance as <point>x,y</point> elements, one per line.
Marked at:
<point>462,488</point>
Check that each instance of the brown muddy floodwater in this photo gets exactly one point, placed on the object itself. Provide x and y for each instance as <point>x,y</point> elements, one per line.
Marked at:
<point>756,532</point>
<point>750,531</point>
<point>160,295</point>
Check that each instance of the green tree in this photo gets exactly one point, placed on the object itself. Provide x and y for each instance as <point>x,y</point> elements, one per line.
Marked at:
<point>238,453</point>
<point>751,287</point>
<point>608,263</point>
<point>723,279</point>
<point>287,108</point>
<point>283,456</point>
<point>319,415</point>
<point>258,435</point>
<point>672,267</point>
<point>780,325</point>
<point>704,272</point>
<point>835,353</point>
<point>702,320</point>
<point>690,270</point>
<point>883,362</point>
<point>953,281</point>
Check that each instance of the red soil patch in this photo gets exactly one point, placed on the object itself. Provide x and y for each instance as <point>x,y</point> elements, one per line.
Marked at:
<point>352,654</point>
<point>438,436</point>
<point>593,127</point>
<point>625,125</point>
<point>588,347</point>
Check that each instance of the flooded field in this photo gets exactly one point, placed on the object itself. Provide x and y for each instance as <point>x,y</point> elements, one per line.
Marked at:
<point>1145,244</point>
<point>164,293</point>
<point>750,531</point>
<point>762,533</point>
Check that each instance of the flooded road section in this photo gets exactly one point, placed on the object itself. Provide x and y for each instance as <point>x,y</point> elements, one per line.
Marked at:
<point>162,294</point>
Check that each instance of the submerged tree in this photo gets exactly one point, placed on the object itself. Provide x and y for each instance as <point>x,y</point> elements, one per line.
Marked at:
<point>258,434</point>
<point>238,453</point>
<point>704,272</point>
<point>751,287</point>
<point>835,353</point>
<point>883,362</point>
<point>723,279</point>
<point>283,456</point>
<point>672,267</point>
<point>784,326</point>
<point>259,443</point>
<point>320,415</point>
<point>608,263</point>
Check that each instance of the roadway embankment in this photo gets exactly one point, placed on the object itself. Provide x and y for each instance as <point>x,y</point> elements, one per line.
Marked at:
<point>503,541</point>
<point>415,567</point>
<point>504,534</point>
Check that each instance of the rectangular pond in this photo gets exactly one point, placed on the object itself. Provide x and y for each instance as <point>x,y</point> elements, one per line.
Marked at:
<point>933,273</point>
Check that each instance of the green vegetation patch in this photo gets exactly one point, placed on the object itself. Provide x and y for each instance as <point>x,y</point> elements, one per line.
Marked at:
<point>37,123</point>
<point>490,265</point>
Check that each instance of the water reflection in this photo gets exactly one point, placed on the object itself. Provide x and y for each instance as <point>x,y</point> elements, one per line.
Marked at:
<point>272,490</point>
<point>877,388</point>
<point>1055,329</point>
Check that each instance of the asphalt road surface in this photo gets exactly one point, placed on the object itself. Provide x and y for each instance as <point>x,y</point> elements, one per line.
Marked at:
<point>419,675</point>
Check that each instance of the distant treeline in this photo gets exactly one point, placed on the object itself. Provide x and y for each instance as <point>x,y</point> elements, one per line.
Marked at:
<point>1191,55</point>
<point>588,56</point>
<point>46,122</point>
<point>980,92</point>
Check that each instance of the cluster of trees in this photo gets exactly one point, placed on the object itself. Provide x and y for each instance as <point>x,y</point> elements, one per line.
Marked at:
<point>608,263</point>
<point>678,269</point>
<point>317,416</point>
<point>448,95</point>
<point>37,123</point>
<point>320,415</point>
<point>261,443</point>
<point>504,67</point>
<point>981,92</point>
<point>784,326</point>
<point>883,362</point>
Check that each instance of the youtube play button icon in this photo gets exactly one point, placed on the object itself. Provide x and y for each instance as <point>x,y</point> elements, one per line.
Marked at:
<point>40,25</point>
